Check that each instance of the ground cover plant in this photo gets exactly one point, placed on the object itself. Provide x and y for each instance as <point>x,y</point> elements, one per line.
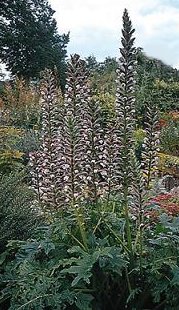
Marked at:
<point>109,239</point>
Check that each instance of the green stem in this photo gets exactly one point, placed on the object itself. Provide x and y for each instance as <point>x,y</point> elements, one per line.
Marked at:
<point>80,222</point>
<point>117,237</point>
<point>30,301</point>
<point>81,244</point>
<point>128,229</point>
<point>140,248</point>
<point>97,225</point>
<point>128,281</point>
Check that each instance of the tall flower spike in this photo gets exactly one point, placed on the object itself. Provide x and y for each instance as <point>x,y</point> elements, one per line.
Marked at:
<point>125,103</point>
<point>83,137</point>
<point>137,190</point>
<point>35,164</point>
<point>111,161</point>
<point>51,169</point>
<point>150,146</point>
<point>75,130</point>
<point>125,116</point>
<point>95,155</point>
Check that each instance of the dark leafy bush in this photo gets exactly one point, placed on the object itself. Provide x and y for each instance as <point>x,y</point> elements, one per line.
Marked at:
<point>58,270</point>
<point>18,219</point>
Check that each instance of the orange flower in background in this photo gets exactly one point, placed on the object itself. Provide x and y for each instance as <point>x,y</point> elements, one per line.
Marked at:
<point>162,123</point>
<point>171,116</point>
<point>174,115</point>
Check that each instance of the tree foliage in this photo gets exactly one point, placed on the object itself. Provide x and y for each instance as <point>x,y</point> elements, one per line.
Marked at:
<point>29,41</point>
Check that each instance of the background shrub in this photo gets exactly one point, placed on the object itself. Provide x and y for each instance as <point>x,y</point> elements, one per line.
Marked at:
<point>18,218</point>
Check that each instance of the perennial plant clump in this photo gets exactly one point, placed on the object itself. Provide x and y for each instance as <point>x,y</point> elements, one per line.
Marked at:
<point>93,162</point>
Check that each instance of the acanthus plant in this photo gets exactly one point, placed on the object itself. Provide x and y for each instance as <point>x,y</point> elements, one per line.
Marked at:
<point>46,164</point>
<point>78,162</point>
<point>111,155</point>
<point>72,142</point>
<point>145,172</point>
<point>83,142</point>
<point>96,167</point>
<point>125,116</point>
<point>81,164</point>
